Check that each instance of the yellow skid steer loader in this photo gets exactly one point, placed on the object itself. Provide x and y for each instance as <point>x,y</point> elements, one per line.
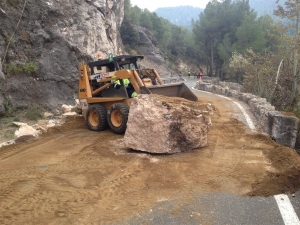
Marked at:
<point>104,105</point>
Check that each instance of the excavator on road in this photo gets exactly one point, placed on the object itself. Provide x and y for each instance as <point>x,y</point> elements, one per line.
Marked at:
<point>103,105</point>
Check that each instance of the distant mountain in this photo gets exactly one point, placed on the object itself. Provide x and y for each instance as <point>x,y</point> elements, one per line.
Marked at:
<point>263,7</point>
<point>180,15</point>
<point>183,15</point>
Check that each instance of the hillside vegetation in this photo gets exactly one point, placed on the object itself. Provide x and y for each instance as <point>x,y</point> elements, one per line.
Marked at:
<point>184,15</point>
<point>230,41</point>
<point>180,15</point>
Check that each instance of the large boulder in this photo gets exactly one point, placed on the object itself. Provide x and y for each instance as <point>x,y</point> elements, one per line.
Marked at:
<point>159,124</point>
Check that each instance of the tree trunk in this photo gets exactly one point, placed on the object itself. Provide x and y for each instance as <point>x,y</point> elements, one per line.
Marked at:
<point>211,57</point>
<point>295,73</point>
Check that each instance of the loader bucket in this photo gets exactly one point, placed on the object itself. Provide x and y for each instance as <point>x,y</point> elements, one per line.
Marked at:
<point>173,90</point>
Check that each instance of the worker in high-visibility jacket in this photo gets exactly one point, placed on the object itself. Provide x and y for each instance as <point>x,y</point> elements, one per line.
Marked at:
<point>129,88</point>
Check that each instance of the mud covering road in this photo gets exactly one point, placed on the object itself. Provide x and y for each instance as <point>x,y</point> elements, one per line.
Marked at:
<point>75,176</point>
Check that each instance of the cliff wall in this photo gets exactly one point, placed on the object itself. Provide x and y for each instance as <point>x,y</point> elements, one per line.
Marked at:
<point>43,42</point>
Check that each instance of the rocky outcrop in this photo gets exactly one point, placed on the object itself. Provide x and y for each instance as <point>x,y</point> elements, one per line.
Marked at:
<point>2,99</point>
<point>55,36</point>
<point>281,128</point>
<point>154,58</point>
<point>158,124</point>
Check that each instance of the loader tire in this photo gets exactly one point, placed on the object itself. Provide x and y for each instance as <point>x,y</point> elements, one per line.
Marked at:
<point>117,117</point>
<point>96,118</point>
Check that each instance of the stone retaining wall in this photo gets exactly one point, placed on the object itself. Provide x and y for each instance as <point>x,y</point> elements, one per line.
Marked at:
<point>281,128</point>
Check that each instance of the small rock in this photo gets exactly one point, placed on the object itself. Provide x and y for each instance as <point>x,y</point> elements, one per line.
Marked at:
<point>7,143</point>
<point>77,105</point>
<point>26,133</point>
<point>66,108</point>
<point>40,128</point>
<point>70,114</point>
<point>52,123</point>
<point>19,124</point>
<point>48,115</point>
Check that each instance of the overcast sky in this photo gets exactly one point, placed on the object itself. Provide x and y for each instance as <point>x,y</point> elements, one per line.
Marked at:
<point>152,5</point>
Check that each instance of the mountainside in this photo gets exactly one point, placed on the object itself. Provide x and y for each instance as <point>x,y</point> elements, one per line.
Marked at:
<point>53,36</point>
<point>181,15</point>
<point>265,6</point>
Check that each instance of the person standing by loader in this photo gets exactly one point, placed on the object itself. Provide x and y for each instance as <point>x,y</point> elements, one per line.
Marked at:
<point>200,76</point>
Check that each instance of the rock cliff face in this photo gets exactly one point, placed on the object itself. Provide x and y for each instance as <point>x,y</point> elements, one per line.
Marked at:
<point>154,58</point>
<point>55,36</point>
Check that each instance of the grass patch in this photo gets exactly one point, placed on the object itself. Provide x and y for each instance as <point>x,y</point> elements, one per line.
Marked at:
<point>13,3</point>
<point>7,120</point>
<point>10,111</point>
<point>34,113</point>
<point>9,134</point>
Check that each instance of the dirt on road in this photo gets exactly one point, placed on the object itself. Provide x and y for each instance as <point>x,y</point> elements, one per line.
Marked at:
<point>75,176</point>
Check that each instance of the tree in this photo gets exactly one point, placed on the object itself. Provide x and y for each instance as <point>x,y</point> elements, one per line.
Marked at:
<point>219,20</point>
<point>129,35</point>
<point>145,19</point>
<point>135,14</point>
<point>258,72</point>
<point>292,13</point>
<point>250,35</point>
<point>224,52</point>
<point>157,26</point>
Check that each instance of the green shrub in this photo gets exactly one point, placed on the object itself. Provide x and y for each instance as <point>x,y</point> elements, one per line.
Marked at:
<point>6,120</point>
<point>13,3</point>
<point>34,113</point>
<point>28,67</point>
<point>13,68</point>
<point>9,134</point>
<point>10,111</point>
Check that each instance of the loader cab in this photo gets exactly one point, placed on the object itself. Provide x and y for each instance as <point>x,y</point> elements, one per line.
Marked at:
<point>127,61</point>
<point>103,71</point>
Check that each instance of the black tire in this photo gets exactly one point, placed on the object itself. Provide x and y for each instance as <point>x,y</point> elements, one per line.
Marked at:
<point>117,117</point>
<point>96,118</point>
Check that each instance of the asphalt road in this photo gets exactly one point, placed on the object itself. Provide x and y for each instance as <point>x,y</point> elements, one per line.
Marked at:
<point>221,208</point>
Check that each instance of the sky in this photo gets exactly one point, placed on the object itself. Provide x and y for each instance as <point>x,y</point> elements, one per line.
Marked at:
<point>152,5</point>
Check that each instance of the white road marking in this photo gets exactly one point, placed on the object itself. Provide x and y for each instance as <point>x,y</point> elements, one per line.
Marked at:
<point>284,204</point>
<point>247,117</point>
<point>286,209</point>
